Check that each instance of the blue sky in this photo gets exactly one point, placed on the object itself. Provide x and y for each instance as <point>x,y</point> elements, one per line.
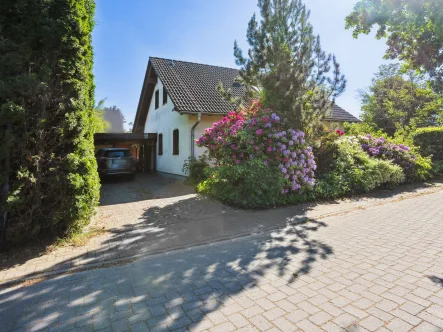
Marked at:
<point>129,31</point>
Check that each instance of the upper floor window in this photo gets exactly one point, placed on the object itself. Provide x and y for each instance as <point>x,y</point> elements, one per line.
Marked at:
<point>165,96</point>
<point>175,142</point>
<point>160,144</point>
<point>156,99</point>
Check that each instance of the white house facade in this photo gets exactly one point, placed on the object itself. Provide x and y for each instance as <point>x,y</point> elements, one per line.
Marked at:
<point>163,121</point>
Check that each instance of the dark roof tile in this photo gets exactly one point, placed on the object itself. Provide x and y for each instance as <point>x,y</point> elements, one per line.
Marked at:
<point>192,87</point>
<point>338,114</point>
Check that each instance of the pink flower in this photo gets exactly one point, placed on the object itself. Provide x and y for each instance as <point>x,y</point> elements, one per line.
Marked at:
<point>237,161</point>
<point>269,149</point>
<point>259,132</point>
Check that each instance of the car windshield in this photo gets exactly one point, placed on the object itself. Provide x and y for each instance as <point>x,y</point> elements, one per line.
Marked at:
<point>117,154</point>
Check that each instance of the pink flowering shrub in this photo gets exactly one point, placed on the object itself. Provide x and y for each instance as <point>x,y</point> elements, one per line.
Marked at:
<point>259,134</point>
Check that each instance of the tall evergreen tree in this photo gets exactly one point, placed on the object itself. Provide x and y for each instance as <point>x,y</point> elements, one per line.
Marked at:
<point>285,60</point>
<point>47,115</point>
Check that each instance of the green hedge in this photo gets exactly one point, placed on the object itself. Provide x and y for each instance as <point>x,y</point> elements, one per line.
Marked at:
<point>47,116</point>
<point>430,141</point>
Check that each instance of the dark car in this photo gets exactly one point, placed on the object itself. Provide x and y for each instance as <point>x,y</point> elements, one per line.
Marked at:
<point>115,161</point>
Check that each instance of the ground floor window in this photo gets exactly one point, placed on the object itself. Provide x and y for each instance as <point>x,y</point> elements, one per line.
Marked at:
<point>175,141</point>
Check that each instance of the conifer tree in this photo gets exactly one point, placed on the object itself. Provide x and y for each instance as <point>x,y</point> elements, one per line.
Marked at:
<point>47,116</point>
<point>286,62</point>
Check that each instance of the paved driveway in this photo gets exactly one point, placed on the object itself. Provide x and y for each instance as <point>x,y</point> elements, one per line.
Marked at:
<point>373,269</point>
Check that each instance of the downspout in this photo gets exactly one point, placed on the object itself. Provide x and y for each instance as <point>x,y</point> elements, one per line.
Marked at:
<point>199,115</point>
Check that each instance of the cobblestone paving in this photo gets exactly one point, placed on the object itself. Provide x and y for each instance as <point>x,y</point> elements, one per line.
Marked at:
<point>158,213</point>
<point>379,269</point>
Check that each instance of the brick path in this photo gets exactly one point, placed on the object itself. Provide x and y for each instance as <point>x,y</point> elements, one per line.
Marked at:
<point>379,269</point>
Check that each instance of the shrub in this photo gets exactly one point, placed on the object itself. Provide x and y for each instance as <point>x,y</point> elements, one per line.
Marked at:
<point>362,128</point>
<point>258,134</point>
<point>415,167</point>
<point>47,116</point>
<point>354,171</point>
<point>196,169</point>
<point>325,152</point>
<point>430,142</point>
<point>250,184</point>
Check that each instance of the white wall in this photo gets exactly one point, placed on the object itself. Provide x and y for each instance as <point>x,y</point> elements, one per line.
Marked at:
<point>205,122</point>
<point>163,121</point>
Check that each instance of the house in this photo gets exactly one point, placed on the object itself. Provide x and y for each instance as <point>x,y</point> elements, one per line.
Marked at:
<point>179,100</point>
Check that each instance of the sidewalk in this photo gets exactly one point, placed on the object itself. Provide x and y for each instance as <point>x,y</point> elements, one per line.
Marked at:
<point>138,228</point>
<point>374,269</point>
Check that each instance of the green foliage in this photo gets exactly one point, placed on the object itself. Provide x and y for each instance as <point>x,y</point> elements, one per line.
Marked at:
<point>398,99</point>
<point>325,153</point>
<point>47,116</point>
<point>196,169</point>
<point>430,142</point>
<point>362,128</point>
<point>250,185</point>
<point>414,31</point>
<point>286,60</point>
<point>354,171</point>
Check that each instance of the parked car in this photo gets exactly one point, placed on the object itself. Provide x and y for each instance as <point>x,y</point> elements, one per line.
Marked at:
<point>116,161</point>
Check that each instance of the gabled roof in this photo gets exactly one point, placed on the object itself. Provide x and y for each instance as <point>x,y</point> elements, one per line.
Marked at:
<point>192,89</point>
<point>338,114</point>
<point>192,86</point>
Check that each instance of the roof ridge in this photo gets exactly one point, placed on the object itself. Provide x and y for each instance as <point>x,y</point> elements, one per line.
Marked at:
<point>195,63</point>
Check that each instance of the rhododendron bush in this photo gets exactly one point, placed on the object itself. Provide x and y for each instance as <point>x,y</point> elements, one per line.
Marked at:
<point>259,134</point>
<point>414,166</point>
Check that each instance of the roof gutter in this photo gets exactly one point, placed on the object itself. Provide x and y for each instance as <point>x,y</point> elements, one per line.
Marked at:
<point>199,115</point>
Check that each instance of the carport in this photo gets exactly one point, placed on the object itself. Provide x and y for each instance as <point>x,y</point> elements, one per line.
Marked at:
<point>142,146</point>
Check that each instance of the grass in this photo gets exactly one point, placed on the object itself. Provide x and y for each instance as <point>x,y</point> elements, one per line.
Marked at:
<point>76,240</point>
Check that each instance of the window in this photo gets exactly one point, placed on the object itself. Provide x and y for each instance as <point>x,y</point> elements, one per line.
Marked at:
<point>160,144</point>
<point>156,99</point>
<point>175,142</point>
<point>165,96</point>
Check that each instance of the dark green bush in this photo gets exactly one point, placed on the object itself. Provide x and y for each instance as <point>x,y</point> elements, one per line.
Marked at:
<point>251,185</point>
<point>47,116</point>
<point>354,171</point>
<point>430,142</point>
<point>196,169</point>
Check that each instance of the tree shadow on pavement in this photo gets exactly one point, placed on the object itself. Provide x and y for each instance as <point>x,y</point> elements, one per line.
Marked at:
<point>436,280</point>
<point>198,286</point>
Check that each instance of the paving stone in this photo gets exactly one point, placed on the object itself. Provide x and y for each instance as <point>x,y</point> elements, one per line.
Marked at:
<point>320,318</point>
<point>399,325</point>
<point>238,320</point>
<point>371,323</point>
<point>261,322</point>
<point>306,325</point>
<point>224,327</point>
<point>380,277</point>
<point>345,320</point>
